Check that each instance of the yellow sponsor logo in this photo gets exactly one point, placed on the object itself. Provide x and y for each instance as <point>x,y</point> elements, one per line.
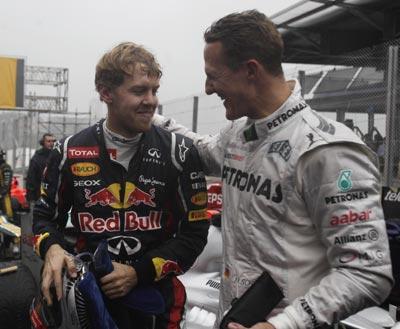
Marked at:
<point>195,215</point>
<point>199,199</point>
<point>85,169</point>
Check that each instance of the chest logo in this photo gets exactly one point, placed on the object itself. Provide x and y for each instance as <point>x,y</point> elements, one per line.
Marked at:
<point>344,182</point>
<point>84,169</point>
<point>283,148</point>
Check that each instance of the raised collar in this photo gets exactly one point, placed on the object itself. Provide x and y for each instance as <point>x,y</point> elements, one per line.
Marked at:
<point>256,129</point>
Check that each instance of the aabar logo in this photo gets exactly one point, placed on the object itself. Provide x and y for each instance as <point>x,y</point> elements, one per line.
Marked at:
<point>350,217</point>
<point>84,169</point>
<point>199,199</point>
<point>83,152</point>
<point>195,215</point>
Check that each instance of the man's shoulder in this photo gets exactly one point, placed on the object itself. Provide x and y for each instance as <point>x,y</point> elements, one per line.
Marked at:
<point>85,136</point>
<point>175,137</point>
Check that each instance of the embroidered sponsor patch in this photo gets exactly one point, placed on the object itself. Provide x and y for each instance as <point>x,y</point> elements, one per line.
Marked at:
<point>195,215</point>
<point>82,152</point>
<point>199,199</point>
<point>84,169</point>
<point>283,148</point>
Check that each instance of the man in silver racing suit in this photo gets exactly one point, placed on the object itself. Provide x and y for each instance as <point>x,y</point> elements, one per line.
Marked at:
<point>301,193</point>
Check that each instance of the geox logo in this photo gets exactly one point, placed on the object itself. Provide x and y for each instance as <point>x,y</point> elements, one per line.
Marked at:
<point>284,116</point>
<point>250,183</point>
<point>325,126</point>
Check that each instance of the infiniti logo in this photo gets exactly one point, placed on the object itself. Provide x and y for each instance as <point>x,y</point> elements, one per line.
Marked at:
<point>156,153</point>
<point>117,245</point>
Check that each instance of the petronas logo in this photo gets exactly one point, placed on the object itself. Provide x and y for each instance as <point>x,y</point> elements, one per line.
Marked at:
<point>344,182</point>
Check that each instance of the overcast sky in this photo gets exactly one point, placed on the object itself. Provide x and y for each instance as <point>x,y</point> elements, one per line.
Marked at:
<point>75,33</point>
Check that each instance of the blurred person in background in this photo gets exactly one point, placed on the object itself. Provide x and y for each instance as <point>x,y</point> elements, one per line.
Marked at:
<point>6,174</point>
<point>36,167</point>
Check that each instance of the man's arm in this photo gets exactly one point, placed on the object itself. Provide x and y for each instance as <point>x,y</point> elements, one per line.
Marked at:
<point>49,218</point>
<point>33,180</point>
<point>361,273</point>
<point>210,148</point>
<point>189,218</point>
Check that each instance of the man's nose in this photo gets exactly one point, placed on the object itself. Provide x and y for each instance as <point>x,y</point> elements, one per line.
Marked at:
<point>209,88</point>
<point>151,99</point>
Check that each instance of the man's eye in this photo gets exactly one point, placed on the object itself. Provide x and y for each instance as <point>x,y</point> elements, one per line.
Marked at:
<point>138,91</point>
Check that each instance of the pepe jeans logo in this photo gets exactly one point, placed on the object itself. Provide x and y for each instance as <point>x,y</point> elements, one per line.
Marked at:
<point>344,182</point>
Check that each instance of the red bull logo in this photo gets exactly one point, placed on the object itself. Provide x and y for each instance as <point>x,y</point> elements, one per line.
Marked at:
<point>132,222</point>
<point>110,196</point>
<point>164,267</point>
<point>103,197</point>
<point>137,197</point>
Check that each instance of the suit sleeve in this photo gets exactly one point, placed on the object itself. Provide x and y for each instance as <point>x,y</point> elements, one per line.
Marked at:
<point>178,254</point>
<point>351,229</point>
<point>50,212</point>
<point>33,180</point>
<point>210,148</point>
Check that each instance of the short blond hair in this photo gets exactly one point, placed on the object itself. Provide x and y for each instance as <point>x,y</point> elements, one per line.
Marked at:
<point>123,60</point>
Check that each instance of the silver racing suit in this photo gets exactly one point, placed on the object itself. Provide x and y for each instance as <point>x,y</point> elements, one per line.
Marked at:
<point>301,200</point>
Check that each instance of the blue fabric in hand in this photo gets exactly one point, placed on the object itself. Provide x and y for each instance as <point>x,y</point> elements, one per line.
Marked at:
<point>146,299</point>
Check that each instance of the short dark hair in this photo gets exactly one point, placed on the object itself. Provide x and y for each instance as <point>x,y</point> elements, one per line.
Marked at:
<point>41,142</point>
<point>246,35</point>
<point>122,60</point>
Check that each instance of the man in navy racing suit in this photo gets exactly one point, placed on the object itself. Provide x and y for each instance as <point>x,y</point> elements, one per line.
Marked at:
<point>301,193</point>
<point>136,185</point>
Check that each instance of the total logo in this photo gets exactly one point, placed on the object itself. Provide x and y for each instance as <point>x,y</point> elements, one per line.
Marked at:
<point>350,217</point>
<point>83,152</point>
<point>132,222</point>
<point>366,256</point>
<point>109,196</point>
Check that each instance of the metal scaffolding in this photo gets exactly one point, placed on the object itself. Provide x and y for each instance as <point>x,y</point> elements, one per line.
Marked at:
<point>47,76</point>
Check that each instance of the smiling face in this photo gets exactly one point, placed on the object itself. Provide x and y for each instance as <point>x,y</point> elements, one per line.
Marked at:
<point>230,85</point>
<point>132,104</point>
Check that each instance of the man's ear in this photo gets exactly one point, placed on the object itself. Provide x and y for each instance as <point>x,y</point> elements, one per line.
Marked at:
<point>106,95</point>
<point>252,68</point>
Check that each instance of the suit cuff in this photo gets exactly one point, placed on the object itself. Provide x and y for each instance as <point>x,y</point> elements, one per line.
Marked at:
<point>145,271</point>
<point>288,319</point>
